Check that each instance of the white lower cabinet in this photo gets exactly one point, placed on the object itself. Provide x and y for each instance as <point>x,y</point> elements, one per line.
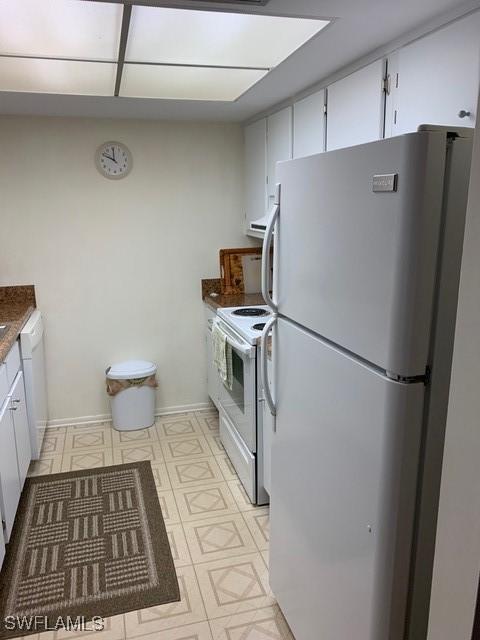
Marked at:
<point>18,408</point>
<point>15,449</point>
<point>212,374</point>
<point>9,479</point>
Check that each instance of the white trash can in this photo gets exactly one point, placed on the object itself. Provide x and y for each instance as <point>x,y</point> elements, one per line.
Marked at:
<point>131,386</point>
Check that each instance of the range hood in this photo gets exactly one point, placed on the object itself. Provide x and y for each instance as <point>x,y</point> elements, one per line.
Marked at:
<point>260,224</point>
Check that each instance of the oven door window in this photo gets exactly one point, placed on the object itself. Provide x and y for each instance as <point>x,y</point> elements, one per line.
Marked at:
<point>237,393</point>
<point>239,401</point>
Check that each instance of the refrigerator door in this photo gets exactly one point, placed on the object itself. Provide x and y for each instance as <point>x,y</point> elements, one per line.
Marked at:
<point>356,246</point>
<point>344,469</point>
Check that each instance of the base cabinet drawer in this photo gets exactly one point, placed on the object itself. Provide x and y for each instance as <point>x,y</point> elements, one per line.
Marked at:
<point>212,373</point>
<point>242,459</point>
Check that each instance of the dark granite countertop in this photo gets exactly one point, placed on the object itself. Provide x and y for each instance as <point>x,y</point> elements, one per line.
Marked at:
<point>16,306</point>
<point>239,300</point>
<point>211,295</point>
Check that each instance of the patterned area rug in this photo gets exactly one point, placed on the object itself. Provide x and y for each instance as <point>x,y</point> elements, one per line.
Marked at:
<point>86,544</point>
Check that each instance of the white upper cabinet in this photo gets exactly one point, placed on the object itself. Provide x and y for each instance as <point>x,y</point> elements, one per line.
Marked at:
<point>279,145</point>
<point>438,77</point>
<point>255,171</point>
<point>309,125</point>
<point>355,108</point>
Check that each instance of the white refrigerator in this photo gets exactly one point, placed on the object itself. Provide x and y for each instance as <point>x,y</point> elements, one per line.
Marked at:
<point>367,251</point>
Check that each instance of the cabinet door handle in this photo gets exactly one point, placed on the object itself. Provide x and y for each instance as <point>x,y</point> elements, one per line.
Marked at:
<point>16,400</point>
<point>13,408</point>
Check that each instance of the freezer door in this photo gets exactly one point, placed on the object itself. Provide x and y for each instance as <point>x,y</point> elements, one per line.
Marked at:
<point>356,264</point>
<point>344,468</point>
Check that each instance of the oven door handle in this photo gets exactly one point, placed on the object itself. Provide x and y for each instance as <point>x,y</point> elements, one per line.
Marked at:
<point>264,356</point>
<point>245,349</point>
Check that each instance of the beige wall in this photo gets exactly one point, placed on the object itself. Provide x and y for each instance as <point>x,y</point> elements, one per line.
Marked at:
<point>117,264</point>
<point>457,552</point>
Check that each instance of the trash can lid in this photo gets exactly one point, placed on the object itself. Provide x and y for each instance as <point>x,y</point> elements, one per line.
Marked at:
<point>131,369</point>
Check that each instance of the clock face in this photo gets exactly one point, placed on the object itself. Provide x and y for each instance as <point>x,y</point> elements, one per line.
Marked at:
<point>113,160</point>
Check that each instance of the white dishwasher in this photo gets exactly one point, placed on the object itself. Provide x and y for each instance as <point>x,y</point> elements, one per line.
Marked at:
<point>33,361</point>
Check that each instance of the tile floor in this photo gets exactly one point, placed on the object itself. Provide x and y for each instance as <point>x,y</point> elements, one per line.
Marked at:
<point>219,540</point>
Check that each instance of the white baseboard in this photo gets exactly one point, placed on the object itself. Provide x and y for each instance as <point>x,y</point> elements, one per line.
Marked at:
<point>107,417</point>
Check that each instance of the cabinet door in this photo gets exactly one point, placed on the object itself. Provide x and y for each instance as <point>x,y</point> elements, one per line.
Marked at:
<point>212,375</point>
<point>20,423</point>
<point>255,171</point>
<point>309,125</point>
<point>355,107</point>
<point>279,145</point>
<point>9,481</point>
<point>438,76</point>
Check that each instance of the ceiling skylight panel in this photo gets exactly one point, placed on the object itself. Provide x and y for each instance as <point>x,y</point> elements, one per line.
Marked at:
<point>178,36</point>
<point>60,28</point>
<point>186,83</point>
<point>57,76</point>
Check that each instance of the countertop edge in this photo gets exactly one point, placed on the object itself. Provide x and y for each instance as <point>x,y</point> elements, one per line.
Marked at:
<point>14,329</point>
<point>235,300</point>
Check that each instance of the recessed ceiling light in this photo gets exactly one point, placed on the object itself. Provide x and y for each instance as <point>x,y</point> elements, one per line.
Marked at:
<point>57,76</point>
<point>179,36</point>
<point>60,29</point>
<point>186,83</point>
<point>71,47</point>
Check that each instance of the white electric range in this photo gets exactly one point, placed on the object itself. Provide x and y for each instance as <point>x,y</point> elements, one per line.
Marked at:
<point>240,407</point>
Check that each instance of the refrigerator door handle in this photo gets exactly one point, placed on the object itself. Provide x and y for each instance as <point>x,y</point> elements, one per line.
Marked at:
<point>267,243</point>
<point>264,371</point>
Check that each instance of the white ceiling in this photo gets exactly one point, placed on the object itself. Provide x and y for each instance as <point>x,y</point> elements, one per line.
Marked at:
<point>360,27</point>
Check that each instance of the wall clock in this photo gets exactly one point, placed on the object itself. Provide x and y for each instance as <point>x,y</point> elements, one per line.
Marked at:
<point>113,160</point>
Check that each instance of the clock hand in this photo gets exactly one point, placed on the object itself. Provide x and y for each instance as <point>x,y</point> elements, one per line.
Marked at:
<point>105,155</point>
<point>113,154</point>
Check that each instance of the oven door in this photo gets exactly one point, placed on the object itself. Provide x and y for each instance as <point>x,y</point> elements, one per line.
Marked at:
<point>239,402</point>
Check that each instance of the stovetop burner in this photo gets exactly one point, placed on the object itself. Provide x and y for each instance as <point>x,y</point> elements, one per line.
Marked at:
<point>259,327</point>
<point>250,312</point>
